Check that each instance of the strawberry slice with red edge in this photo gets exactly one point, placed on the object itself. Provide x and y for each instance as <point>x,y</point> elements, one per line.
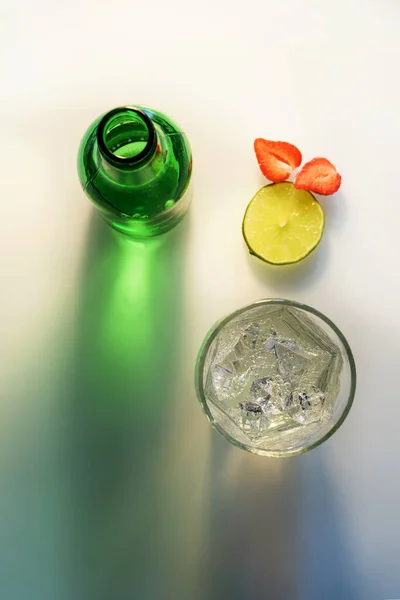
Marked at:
<point>319,176</point>
<point>276,159</point>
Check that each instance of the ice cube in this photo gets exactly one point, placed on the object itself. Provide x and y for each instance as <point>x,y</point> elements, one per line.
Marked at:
<point>251,417</point>
<point>230,378</point>
<point>250,336</point>
<point>270,393</point>
<point>222,378</point>
<point>291,362</point>
<point>269,344</point>
<point>305,405</point>
<point>241,357</point>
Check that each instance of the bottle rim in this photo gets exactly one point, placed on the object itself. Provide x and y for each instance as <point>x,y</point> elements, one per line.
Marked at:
<point>130,161</point>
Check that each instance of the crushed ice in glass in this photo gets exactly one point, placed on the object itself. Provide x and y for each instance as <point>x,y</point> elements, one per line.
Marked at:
<point>277,372</point>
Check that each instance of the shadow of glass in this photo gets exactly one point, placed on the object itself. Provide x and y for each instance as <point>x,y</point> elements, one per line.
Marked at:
<point>327,567</point>
<point>253,516</point>
<point>275,529</point>
<point>128,339</point>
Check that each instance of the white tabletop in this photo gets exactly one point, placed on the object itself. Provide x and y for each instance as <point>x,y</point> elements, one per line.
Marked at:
<point>113,484</point>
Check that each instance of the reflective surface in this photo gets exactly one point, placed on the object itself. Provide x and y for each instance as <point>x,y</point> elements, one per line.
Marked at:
<point>113,487</point>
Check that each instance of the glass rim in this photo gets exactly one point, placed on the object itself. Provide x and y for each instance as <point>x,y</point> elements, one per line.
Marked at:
<point>220,324</point>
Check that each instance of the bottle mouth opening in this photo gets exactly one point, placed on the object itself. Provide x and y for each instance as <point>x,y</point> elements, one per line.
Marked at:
<point>126,136</point>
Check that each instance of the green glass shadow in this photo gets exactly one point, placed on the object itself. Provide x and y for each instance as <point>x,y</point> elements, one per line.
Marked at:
<point>127,309</point>
<point>126,358</point>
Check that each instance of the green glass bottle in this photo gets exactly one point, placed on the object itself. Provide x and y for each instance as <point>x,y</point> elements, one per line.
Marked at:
<point>135,165</point>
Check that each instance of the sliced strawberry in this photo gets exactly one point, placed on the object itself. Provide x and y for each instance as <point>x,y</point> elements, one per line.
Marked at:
<point>319,176</point>
<point>274,169</point>
<point>276,159</point>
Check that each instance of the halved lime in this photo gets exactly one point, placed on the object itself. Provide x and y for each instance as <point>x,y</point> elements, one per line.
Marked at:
<point>282,225</point>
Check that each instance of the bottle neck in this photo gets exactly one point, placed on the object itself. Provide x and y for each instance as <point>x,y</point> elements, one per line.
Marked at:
<point>129,147</point>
